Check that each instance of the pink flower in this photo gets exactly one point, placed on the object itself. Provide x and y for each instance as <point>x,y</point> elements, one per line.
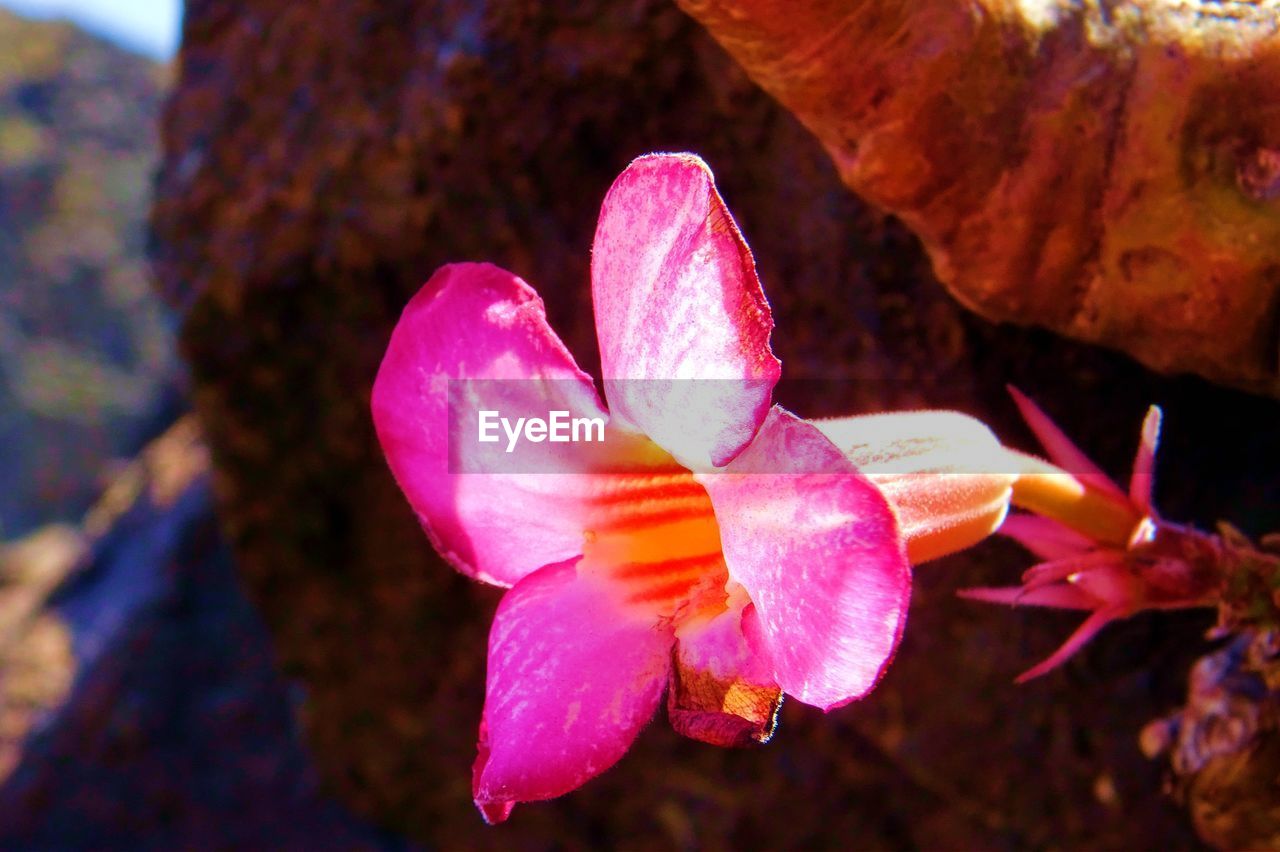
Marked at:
<point>713,546</point>
<point>1106,550</point>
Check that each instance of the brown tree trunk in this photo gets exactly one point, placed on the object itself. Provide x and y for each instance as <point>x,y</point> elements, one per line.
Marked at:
<point>1108,170</point>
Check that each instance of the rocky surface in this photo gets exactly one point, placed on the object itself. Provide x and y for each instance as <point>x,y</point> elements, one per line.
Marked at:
<point>321,160</point>
<point>139,704</point>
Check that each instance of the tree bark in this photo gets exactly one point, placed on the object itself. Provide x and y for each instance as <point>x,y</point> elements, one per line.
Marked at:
<point>1110,171</point>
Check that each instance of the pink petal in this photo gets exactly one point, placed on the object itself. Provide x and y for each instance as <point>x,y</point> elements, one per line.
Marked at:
<point>573,676</point>
<point>1062,596</point>
<point>721,691</point>
<point>1044,537</point>
<point>1062,451</point>
<point>1113,583</point>
<point>1144,464</point>
<point>1056,570</point>
<point>818,550</point>
<point>477,322</point>
<point>682,322</point>
<point>1086,631</point>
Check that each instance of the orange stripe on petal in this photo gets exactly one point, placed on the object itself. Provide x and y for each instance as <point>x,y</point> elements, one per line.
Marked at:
<point>687,566</point>
<point>638,517</point>
<point>626,488</point>
<point>674,591</point>
<point>656,537</point>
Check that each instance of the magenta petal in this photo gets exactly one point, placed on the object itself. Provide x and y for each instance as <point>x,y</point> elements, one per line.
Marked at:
<point>1056,570</point>
<point>1044,537</point>
<point>1086,631</point>
<point>1114,582</point>
<point>495,811</point>
<point>573,676</point>
<point>1061,596</point>
<point>721,692</point>
<point>818,550</point>
<point>478,322</point>
<point>683,324</point>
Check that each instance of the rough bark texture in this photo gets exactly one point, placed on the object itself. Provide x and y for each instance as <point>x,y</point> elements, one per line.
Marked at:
<point>1108,170</point>
<point>322,159</point>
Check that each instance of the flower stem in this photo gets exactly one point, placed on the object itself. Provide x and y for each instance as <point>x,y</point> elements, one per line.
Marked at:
<point>1071,500</point>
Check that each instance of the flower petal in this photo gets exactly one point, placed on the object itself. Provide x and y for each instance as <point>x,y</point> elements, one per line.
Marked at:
<point>818,550</point>
<point>682,322</point>
<point>573,676</point>
<point>721,691</point>
<point>1077,640</point>
<point>1057,570</point>
<point>1060,596</point>
<point>478,330</point>
<point>1044,537</point>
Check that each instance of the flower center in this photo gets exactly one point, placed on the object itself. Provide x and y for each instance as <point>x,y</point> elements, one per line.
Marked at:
<point>656,535</point>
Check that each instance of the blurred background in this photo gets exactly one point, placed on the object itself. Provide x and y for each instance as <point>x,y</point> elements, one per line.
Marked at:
<point>89,376</point>
<point>201,256</point>
<point>89,371</point>
<point>146,27</point>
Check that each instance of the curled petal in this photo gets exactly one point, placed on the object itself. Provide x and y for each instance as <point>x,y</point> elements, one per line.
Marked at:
<point>477,330</point>
<point>721,691</point>
<point>817,548</point>
<point>682,322</point>
<point>574,674</point>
